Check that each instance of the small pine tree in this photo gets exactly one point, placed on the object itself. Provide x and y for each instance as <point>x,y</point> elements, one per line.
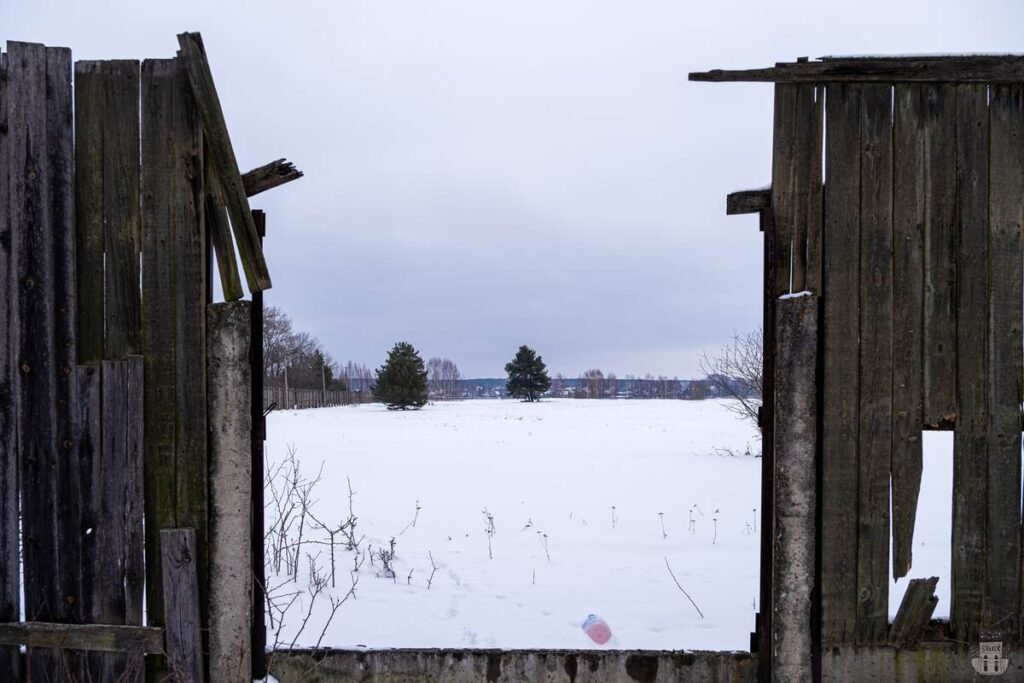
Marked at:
<point>527,375</point>
<point>402,380</point>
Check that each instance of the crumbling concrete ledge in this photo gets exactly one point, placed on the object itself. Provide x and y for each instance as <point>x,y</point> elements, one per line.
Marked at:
<point>508,666</point>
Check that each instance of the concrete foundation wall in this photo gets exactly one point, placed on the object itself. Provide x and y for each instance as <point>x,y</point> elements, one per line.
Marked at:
<point>508,666</point>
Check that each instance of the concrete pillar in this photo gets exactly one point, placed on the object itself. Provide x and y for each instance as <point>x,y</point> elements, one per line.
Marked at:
<point>229,408</point>
<point>796,357</point>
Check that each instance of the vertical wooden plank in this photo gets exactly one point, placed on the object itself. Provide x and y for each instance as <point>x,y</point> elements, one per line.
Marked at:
<point>909,173</point>
<point>166,205</point>
<point>10,582</point>
<point>970,456</point>
<point>814,192</point>
<point>181,605</point>
<point>796,442</point>
<point>259,432</point>
<point>107,178</point>
<point>89,112</point>
<point>220,236</point>
<point>874,444</point>
<point>841,377</point>
<point>796,183</point>
<point>940,256</point>
<point>1006,364</point>
<point>133,495</point>
<point>765,603</point>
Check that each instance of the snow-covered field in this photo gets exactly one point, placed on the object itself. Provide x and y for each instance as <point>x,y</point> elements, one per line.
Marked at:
<point>577,490</point>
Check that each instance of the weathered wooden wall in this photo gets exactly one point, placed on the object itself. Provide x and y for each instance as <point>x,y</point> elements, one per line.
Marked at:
<point>104,191</point>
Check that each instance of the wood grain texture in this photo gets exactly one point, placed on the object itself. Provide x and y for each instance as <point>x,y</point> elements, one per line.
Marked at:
<point>940,240</point>
<point>909,174</point>
<point>183,637</point>
<point>970,458</point>
<point>874,451</point>
<point>1005,361</point>
<point>10,581</point>
<point>223,160</point>
<point>841,377</point>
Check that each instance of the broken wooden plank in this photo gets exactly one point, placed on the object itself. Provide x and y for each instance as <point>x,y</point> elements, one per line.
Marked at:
<point>970,454</point>
<point>874,448</point>
<point>224,163</point>
<point>748,201</point>
<point>953,69</point>
<point>909,174</point>
<point>93,637</point>
<point>1005,355</point>
<point>841,379</point>
<point>184,646</point>
<point>269,176</point>
<point>940,239</point>
<point>220,236</point>
<point>914,613</point>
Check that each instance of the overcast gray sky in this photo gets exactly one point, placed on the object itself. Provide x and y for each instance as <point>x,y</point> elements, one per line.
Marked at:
<point>483,174</point>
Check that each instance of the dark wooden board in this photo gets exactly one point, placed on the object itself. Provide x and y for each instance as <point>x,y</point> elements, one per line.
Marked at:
<point>970,458</point>
<point>940,239</point>
<point>841,378</point>
<point>909,175</point>
<point>874,452</point>
<point>181,605</point>
<point>1005,362</point>
<point>10,581</point>
<point>259,435</point>
<point>223,160</point>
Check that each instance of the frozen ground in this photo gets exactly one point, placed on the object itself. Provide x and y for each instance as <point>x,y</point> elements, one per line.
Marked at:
<point>548,473</point>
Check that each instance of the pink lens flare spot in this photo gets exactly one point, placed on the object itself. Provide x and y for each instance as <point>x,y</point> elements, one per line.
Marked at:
<point>598,629</point>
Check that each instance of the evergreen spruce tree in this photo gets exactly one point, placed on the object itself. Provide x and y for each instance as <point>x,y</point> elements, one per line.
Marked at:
<point>402,380</point>
<point>527,375</point>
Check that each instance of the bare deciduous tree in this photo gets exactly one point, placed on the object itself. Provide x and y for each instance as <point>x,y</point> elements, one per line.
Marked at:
<point>736,371</point>
<point>443,378</point>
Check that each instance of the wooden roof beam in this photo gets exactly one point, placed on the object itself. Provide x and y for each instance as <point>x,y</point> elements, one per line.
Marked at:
<point>910,69</point>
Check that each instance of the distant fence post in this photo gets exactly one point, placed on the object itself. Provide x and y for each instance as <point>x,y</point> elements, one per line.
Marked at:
<point>793,571</point>
<point>230,401</point>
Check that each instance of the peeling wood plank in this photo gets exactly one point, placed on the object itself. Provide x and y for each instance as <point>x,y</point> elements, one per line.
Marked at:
<point>909,174</point>
<point>841,379</point>
<point>220,236</point>
<point>953,69</point>
<point>224,163</point>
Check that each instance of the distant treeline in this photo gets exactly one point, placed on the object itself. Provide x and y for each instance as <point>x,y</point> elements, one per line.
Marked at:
<point>298,361</point>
